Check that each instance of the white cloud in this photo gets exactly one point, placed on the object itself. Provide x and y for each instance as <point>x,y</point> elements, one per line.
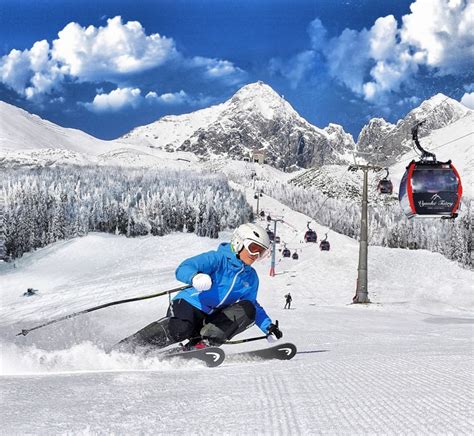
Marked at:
<point>30,72</point>
<point>377,61</point>
<point>318,34</point>
<point>121,98</point>
<point>113,53</point>
<point>218,69</point>
<point>58,100</point>
<point>169,97</point>
<point>412,101</point>
<point>115,100</point>
<point>441,32</point>
<point>347,57</point>
<point>118,48</point>
<point>388,76</point>
<point>468,100</point>
<point>152,95</point>
<point>296,68</point>
<point>383,38</point>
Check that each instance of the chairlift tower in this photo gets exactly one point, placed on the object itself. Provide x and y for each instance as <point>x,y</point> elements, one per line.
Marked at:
<point>272,267</point>
<point>253,175</point>
<point>362,293</point>
<point>3,249</point>
<point>257,196</point>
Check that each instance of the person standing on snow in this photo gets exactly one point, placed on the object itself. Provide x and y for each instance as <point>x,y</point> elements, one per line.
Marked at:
<point>222,301</point>
<point>288,300</point>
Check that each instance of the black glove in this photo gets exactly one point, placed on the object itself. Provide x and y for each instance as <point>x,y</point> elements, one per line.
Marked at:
<point>275,331</point>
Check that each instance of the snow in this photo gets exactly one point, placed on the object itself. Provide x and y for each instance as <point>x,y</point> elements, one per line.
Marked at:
<point>20,130</point>
<point>26,140</point>
<point>402,365</point>
<point>173,130</point>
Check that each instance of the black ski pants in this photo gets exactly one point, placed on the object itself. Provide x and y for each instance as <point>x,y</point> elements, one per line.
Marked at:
<point>184,321</point>
<point>188,322</point>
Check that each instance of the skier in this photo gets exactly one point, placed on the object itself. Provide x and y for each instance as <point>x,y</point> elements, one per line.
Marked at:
<point>222,301</point>
<point>288,300</point>
<point>30,292</point>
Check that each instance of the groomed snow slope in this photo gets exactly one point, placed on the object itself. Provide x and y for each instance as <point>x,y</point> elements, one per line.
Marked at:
<point>402,365</point>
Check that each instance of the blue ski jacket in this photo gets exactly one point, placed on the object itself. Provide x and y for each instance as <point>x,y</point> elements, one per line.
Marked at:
<point>232,280</point>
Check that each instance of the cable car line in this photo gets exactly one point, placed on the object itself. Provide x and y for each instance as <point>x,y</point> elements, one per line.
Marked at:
<point>453,140</point>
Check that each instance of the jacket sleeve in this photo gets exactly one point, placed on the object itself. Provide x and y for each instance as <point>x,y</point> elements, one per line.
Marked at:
<point>205,263</point>
<point>262,320</point>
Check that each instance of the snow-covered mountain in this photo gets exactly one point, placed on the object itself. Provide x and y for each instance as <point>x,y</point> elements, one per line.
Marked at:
<point>20,130</point>
<point>453,141</point>
<point>386,142</point>
<point>26,140</point>
<point>255,118</point>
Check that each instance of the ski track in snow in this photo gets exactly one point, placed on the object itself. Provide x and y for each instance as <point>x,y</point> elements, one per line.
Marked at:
<point>402,365</point>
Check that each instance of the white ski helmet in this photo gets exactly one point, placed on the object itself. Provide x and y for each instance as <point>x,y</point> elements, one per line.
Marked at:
<point>248,233</point>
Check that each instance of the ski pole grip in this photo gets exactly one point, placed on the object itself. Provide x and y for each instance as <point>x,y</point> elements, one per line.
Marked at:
<point>24,332</point>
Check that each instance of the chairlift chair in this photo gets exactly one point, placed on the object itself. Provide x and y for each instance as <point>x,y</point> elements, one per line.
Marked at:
<point>429,188</point>
<point>277,239</point>
<point>286,252</point>
<point>262,213</point>
<point>295,256</point>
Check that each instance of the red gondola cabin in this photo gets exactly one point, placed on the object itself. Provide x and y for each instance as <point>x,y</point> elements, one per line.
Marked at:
<point>430,189</point>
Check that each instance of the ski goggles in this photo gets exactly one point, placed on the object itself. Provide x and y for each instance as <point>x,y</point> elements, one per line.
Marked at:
<point>255,249</point>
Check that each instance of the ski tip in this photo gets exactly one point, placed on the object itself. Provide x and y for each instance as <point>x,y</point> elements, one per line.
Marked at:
<point>287,351</point>
<point>214,357</point>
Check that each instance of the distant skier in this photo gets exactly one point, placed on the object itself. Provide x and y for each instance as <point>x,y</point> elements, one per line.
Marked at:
<point>30,292</point>
<point>288,301</point>
<point>222,301</point>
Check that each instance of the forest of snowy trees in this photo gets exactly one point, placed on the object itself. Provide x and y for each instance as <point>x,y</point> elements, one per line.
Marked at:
<point>45,205</point>
<point>41,206</point>
<point>388,225</point>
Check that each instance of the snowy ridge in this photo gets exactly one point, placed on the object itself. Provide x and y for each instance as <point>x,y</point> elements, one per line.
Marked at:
<point>386,142</point>
<point>255,118</point>
<point>454,141</point>
<point>26,140</point>
<point>20,130</point>
<point>171,131</point>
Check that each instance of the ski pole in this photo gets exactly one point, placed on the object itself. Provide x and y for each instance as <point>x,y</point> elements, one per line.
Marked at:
<point>241,341</point>
<point>24,332</point>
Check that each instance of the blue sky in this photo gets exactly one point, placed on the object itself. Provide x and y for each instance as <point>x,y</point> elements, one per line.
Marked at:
<point>108,66</point>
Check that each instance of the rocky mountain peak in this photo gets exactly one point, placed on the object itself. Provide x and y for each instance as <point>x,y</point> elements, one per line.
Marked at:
<point>262,99</point>
<point>254,118</point>
<point>386,142</point>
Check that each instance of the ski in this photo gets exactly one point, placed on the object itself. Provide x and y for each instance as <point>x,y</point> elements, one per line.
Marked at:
<point>211,356</point>
<point>285,351</point>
